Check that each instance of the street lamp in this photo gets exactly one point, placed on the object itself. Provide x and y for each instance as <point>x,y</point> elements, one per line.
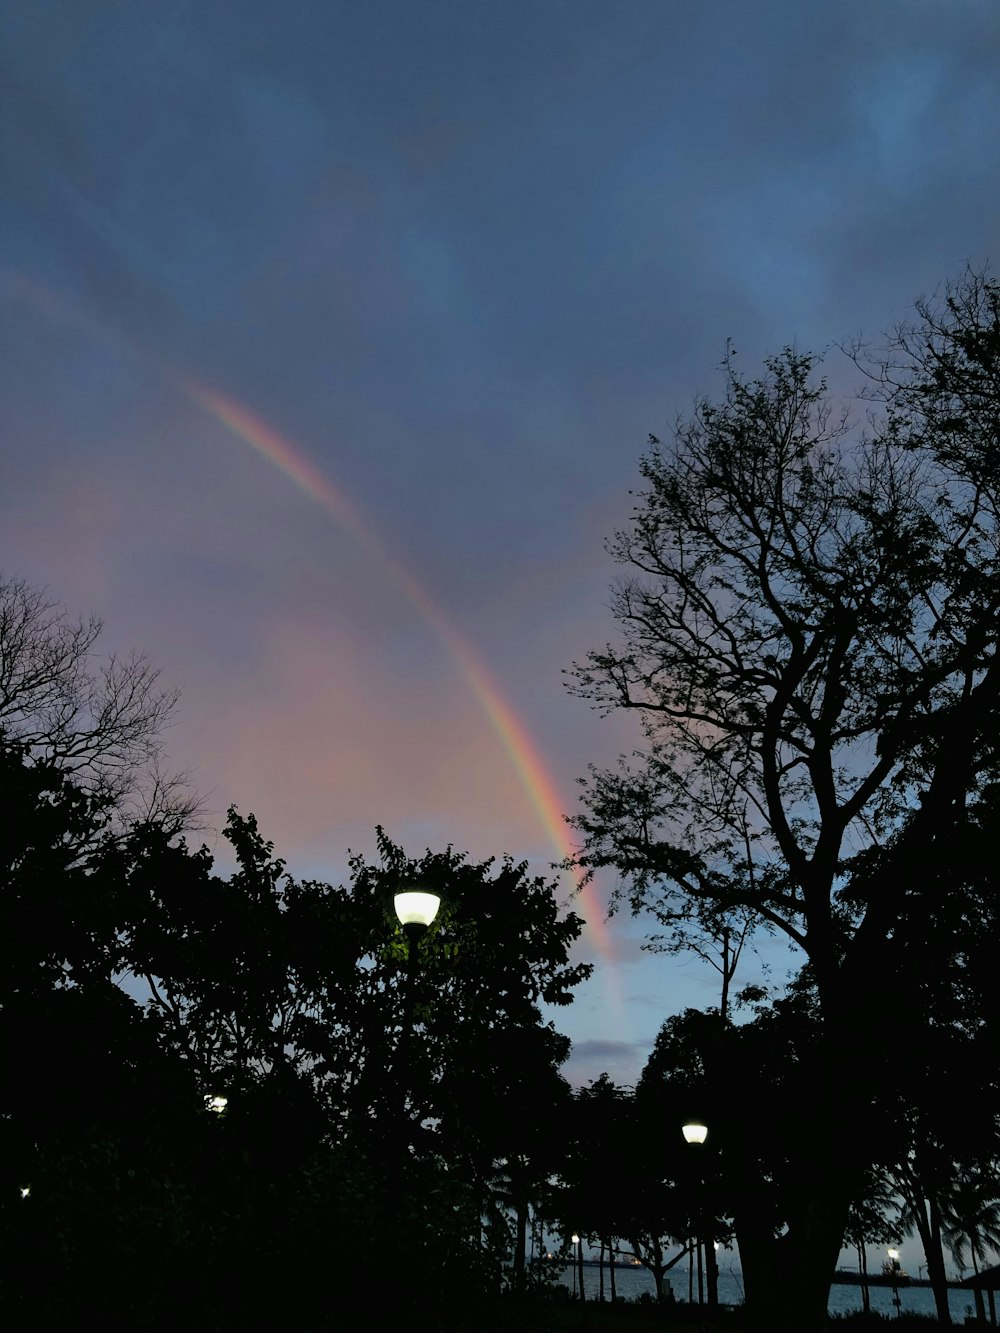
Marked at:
<point>215,1103</point>
<point>416,910</point>
<point>695,1131</point>
<point>894,1273</point>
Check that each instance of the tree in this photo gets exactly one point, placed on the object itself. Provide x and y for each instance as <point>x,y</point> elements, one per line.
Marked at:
<point>870,1222</point>
<point>299,996</point>
<point>497,949</point>
<point>625,1180</point>
<point>972,1217</point>
<point>100,723</point>
<point>93,1112</point>
<point>810,638</point>
<point>291,997</point>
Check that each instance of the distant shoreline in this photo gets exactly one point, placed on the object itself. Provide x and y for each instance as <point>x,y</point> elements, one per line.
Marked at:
<point>843,1277</point>
<point>846,1276</point>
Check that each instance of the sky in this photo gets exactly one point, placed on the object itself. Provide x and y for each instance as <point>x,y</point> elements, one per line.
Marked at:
<point>332,334</point>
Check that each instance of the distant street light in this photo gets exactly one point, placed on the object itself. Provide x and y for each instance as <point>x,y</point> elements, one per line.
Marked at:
<point>894,1276</point>
<point>577,1262</point>
<point>695,1132</point>
<point>216,1103</point>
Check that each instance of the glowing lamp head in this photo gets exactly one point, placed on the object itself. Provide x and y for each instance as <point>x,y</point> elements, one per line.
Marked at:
<point>216,1103</point>
<point>575,1238</point>
<point>893,1254</point>
<point>695,1132</point>
<point>416,908</point>
<point>25,1191</point>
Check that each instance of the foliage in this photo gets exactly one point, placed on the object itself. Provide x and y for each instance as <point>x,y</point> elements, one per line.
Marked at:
<point>809,639</point>
<point>627,1181</point>
<point>972,1217</point>
<point>368,1112</point>
<point>100,722</point>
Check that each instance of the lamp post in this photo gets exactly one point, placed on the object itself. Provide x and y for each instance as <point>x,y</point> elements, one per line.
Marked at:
<point>578,1265</point>
<point>696,1132</point>
<point>416,909</point>
<point>894,1271</point>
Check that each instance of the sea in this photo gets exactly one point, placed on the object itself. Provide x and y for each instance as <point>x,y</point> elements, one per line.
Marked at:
<point>844,1298</point>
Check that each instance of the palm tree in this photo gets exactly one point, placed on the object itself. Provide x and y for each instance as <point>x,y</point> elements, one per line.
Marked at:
<point>869,1223</point>
<point>971,1215</point>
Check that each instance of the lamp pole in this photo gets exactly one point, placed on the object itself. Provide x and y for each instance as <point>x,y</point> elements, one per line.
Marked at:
<point>416,909</point>
<point>578,1266</point>
<point>696,1132</point>
<point>894,1271</point>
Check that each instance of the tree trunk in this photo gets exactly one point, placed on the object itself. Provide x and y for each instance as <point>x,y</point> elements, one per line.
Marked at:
<point>927,1217</point>
<point>712,1273</point>
<point>691,1274</point>
<point>701,1281</point>
<point>978,1291</point>
<point>520,1243</point>
<point>787,1280</point>
<point>934,1252</point>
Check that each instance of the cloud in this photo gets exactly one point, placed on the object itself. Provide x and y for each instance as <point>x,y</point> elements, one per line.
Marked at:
<point>621,1060</point>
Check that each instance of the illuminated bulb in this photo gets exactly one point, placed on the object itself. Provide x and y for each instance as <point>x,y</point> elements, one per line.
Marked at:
<point>216,1103</point>
<point>415,908</point>
<point>695,1132</point>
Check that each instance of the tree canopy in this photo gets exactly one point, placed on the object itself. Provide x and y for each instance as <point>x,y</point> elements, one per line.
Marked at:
<point>100,721</point>
<point>368,1099</point>
<point>809,624</point>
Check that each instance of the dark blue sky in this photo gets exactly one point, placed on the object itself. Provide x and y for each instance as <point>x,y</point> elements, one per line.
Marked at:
<point>460,258</point>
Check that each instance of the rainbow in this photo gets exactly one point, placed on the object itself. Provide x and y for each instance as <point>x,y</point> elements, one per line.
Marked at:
<point>531,771</point>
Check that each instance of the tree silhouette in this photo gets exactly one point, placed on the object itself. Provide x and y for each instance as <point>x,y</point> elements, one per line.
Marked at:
<point>971,1217</point>
<point>100,722</point>
<point>810,632</point>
